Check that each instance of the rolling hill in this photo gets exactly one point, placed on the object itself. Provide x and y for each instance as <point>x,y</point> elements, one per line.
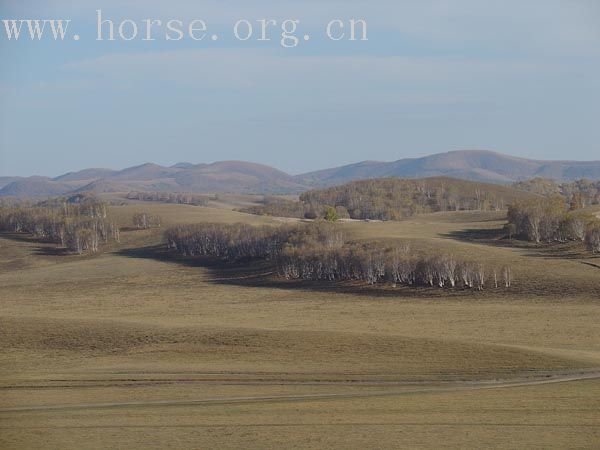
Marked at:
<point>248,178</point>
<point>236,176</point>
<point>475,165</point>
<point>34,187</point>
<point>219,177</point>
<point>85,175</point>
<point>5,181</point>
<point>102,186</point>
<point>145,172</point>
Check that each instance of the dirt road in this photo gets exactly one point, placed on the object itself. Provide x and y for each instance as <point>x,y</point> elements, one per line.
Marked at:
<point>465,386</point>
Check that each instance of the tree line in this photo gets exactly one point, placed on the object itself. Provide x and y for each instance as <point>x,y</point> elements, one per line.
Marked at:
<point>232,242</point>
<point>548,220</point>
<point>169,197</point>
<point>390,199</point>
<point>78,223</point>
<point>319,251</point>
<point>577,194</point>
<point>395,264</point>
<point>280,207</point>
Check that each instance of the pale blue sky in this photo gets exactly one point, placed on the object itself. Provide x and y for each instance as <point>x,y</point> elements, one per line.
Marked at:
<point>517,76</point>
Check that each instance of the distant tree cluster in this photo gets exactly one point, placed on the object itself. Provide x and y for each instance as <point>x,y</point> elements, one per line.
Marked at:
<point>167,197</point>
<point>278,207</point>
<point>548,220</point>
<point>145,221</point>
<point>577,194</point>
<point>388,199</point>
<point>393,198</point>
<point>78,223</point>
<point>77,205</point>
<point>319,251</point>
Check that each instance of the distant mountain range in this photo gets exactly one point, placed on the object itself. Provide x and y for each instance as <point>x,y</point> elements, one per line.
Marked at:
<point>245,177</point>
<point>226,176</point>
<point>474,165</point>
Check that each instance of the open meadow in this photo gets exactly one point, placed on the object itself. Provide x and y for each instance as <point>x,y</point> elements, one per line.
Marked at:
<point>311,225</point>
<point>134,348</point>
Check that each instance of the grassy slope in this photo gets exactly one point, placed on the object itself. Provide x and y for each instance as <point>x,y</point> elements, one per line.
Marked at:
<point>122,327</point>
<point>561,416</point>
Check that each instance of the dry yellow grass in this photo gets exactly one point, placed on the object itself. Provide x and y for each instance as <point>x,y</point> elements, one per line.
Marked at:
<point>550,416</point>
<point>126,327</point>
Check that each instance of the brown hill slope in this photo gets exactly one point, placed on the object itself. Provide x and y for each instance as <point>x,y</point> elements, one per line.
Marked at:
<point>477,165</point>
<point>35,187</point>
<point>236,176</point>
<point>85,175</point>
<point>5,181</point>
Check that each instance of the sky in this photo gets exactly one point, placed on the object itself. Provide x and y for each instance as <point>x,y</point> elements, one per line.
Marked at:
<point>520,77</point>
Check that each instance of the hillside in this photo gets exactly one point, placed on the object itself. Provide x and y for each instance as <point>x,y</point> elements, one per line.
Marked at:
<point>476,165</point>
<point>5,181</point>
<point>144,172</point>
<point>85,175</point>
<point>220,177</point>
<point>103,186</point>
<point>34,187</point>
<point>238,177</point>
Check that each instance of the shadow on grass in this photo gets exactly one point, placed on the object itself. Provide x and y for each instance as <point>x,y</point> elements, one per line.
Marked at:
<point>569,250</point>
<point>53,251</point>
<point>491,236</point>
<point>22,237</point>
<point>497,238</point>
<point>43,247</point>
<point>596,266</point>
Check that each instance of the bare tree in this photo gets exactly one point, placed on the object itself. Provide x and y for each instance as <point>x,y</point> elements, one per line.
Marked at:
<point>592,237</point>
<point>78,224</point>
<point>507,276</point>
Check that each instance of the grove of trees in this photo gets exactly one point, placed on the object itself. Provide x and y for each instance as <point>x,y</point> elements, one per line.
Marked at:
<point>319,251</point>
<point>577,194</point>
<point>144,221</point>
<point>231,242</point>
<point>390,199</point>
<point>78,223</point>
<point>170,197</point>
<point>275,206</point>
<point>396,264</point>
<point>592,237</point>
<point>547,220</point>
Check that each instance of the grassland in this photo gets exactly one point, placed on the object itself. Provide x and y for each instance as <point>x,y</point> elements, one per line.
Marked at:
<point>130,349</point>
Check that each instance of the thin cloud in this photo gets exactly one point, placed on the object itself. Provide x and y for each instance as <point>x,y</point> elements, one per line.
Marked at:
<point>247,68</point>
